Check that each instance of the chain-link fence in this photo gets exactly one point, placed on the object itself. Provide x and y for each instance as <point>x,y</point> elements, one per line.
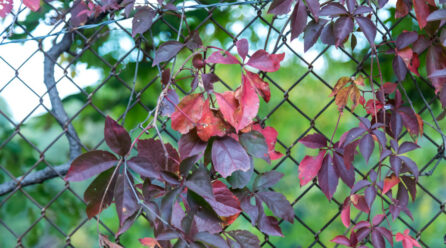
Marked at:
<point>61,84</point>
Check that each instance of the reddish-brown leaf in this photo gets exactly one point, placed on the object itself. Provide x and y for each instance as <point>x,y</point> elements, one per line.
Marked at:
<point>190,145</point>
<point>266,62</point>
<point>421,11</point>
<point>149,242</point>
<point>116,137</point>
<point>261,86</point>
<point>280,7</point>
<point>211,124</point>
<point>188,113</point>
<point>314,141</point>
<point>90,164</point>
<point>309,167</point>
<point>153,151</point>
<point>125,199</point>
<point>228,105</point>
<point>402,9</point>
<point>97,190</point>
<point>225,203</point>
<point>345,212</point>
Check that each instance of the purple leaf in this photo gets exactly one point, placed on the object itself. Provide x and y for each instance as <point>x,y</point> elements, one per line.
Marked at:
<point>211,240</point>
<point>242,48</point>
<point>143,167</point>
<point>368,28</point>
<point>153,150</point>
<point>169,103</point>
<point>194,41</point>
<point>255,144</point>
<point>252,211</point>
<point>314,141</point>
<point>298,19</point>
<point>245,239</point>
<point>378,240</point>
<point>200,183</point>
<point>353,134</point>
<point>97,190</point>
<point>90,164</point>
<point>351,5</point>
<point>239,179</point>
<point>407,147</point>
<point>410,165</point>
<point>125,199</point>
<point>362,10</point>
<point>437,15</point>
<point>359,185</point>
<point>405,39</point>
<point>167,51</point>
<point>229,156</point>
<point>411,185</point>
<point>327,177</point>
<point>396,124</point>
<point>381,136</point>
<point>342,240</point>
<point>327,35</point>
<point>278,204</point>
<point>385,233</point>
<point>347,175</point>
<point>370,195</point>
<point>208,81</point>
<point>207,221</point>
<point>314,7</point>
<point>77,18</point>
<point>269,225</point>
<point>342,28</point>
<point>395,162</point>
<point>312,32</point>
<point>190,144</point>
<point>438,74</point>
<point>399,67</point>
<point>266,180</point>
<point>378,219</point>
<point>333,9</point>
<point>366,146</point>
<point>280,7</point>
<point>116,137</point>
<point>349,153</point>
<point>142,21</point>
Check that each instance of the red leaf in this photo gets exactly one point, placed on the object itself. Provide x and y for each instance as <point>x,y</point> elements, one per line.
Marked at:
<point>149,242</point>
<point>125,199</point>
<point>280,7</point>
<point>266,62</point>
<point>390,182</point>
<point>225,203</point>
<point>116,137</point>
<point>218,58</point>
<point>229,156</point>
<point>421,11</point>
<point>167,51</point>
<point>5,7</point>
<point>34,5</point>
<point>342,240</point>
<point>309,167</point>
<point>408,241</point>
<point>249,104</point>
<point>261,86</point>
<point>188,113</point>
<point>190,145</point>
<point>211,124</point>
<point>270,135</point>
<point>228,105</point>
<point>242,48</point>
<point>90,164</point>
<point>373,108</point>
<point>389,88</point>
<point>402,9</point>
<point>327,177</point>
<point>345,213</point>
<point>298,19</point>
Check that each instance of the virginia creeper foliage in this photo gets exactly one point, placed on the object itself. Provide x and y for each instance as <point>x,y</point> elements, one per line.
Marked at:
<point>191,192</point>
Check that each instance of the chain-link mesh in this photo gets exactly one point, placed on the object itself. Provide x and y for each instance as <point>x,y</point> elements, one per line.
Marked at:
<point>35,214</point>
